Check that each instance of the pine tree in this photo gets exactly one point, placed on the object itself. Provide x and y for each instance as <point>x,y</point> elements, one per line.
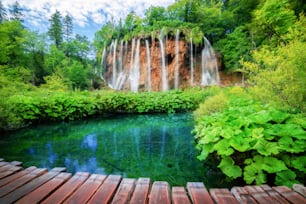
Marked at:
<point>68,27</point>
<point>3,14</point>
<point>56,29</point>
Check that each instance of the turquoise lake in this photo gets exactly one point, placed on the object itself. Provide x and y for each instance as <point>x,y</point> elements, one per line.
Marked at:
<point>157,146</point>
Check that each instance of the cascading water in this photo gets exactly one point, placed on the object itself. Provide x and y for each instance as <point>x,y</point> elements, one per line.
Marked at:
<point>135,70</point>
<point>103,56</point>
<point>163,68</point>
<point>191,62</point>
<point>137,66</point>
<point>176,71</point>
<point>149,83</point>
<point>210,74</point>
<point>121,57</point>
<point>114,80</point>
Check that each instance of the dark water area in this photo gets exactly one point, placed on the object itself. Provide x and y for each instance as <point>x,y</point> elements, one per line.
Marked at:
<point>157,146</point>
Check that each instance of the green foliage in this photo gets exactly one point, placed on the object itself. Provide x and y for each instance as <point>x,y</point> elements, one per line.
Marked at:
<point>235,46</point>
<point>54,103</point>
<point>211,105</point>
<point>279,77</point>
<point>12,35</point>
<point>56,29</point>
<point>273,18</point>
<point>253,139</point>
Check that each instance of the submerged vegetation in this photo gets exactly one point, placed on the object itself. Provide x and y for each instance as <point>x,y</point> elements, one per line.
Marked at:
<point>256,133</point>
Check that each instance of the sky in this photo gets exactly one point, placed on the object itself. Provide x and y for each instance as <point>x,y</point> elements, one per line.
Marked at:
<point>88,15</point>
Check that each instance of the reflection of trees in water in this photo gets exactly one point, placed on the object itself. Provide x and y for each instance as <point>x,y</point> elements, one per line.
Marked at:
<point>156,146</point>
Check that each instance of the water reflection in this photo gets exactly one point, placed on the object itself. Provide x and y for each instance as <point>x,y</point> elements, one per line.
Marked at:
<point>155,146</point>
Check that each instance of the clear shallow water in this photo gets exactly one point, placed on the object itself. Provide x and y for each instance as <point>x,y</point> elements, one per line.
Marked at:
<point>157,146</point>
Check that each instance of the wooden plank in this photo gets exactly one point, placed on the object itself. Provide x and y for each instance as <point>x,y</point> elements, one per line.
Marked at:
<point>198,193</point>
<point>15,176</point>
<point>3,163</point>
<point>20,182</point>
<point>275,195</point>
<point>16,163</point>
<point>222,196</point>
<point>140,194</point>
<point>160,193</point>
<point>259,194</point>
<point>299,189</point>
<point>124,191</point>
<point>106,191</point>
<point>28,187</point>
<point>289,194</point>
<point>5,167</point>
<point>179,195</point>
<point>59,169</point>
<point>87,189</point>
<point>10,171</point>
<point>67,189</point>
<point>43,191</point>
<point>242,195</point>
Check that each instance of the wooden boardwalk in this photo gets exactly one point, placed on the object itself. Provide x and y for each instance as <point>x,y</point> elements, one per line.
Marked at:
<point>38,185</point>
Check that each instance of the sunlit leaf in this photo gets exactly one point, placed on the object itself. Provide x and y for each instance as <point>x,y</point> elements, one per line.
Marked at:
<point>223,147</point>
<point>240,144</point>
<point>228,168</point>
<point>272,165</point>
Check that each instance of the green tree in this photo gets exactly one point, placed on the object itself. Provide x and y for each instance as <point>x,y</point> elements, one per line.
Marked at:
<point>278,74</point>
<point>53,59</point>
<point>56,28</point>
<point>272,19</point>
<point>12,43</point>
<point>235,46</point>
<point>154,14</point>
<point>36,46</point>
<point>68,27</point>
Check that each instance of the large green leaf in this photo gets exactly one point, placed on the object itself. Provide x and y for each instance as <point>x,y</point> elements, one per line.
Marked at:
<point>272,165</point>
<point>228,168</point>
<point>261,117</point>
<point>266,148</point>
<point>300,163</point>
<point>286,177</point>
<point>253,173</point>
<point>241,144</point>
<point>279,116</point>
<point>223,147</point>
<point>283,130</point>
<point>289,145</point>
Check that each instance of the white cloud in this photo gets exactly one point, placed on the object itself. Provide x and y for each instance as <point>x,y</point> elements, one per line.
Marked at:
<point>98,11</point>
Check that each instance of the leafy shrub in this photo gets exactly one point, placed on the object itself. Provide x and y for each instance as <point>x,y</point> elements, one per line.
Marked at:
<point>46,105</point>
<point>211,105</point>
<point>255,141</point>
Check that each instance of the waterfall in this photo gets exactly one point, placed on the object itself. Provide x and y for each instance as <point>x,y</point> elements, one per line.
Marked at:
<point>148,66</point>
<point>114,65</point>
<point>210,74</point>
<point>176,71</point>
<point>135,70</point>
<point>163,68</point>
<point>121,57</point>
<point>191,62</point>
<point>121,74</point>
<point>103,58</point>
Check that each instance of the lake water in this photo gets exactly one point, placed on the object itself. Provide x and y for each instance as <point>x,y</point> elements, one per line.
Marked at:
<point>157,146</point>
